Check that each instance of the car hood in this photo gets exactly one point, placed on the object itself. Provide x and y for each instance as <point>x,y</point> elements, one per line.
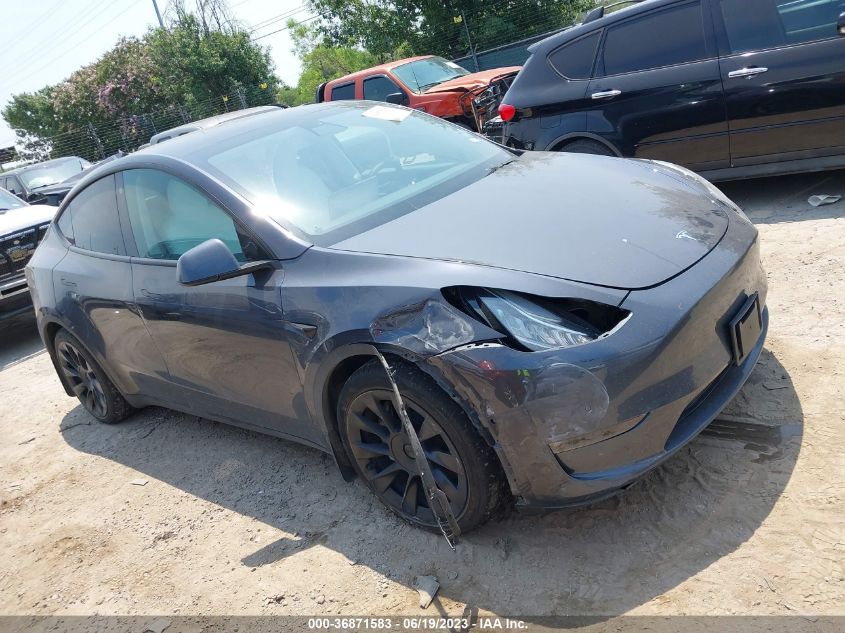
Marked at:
<point>473,80</point>
<point>15,220</point>
<point>609,222</point>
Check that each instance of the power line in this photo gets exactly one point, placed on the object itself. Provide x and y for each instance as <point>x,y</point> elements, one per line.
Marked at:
<point>261,37</point>
<point>64,28</point>
<point>24,71</point>
<point>277,18</point>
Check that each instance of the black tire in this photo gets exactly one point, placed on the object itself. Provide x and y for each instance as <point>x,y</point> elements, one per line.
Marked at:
<point>465,467</point>
<point>586,146</point>
<point>88,381</point>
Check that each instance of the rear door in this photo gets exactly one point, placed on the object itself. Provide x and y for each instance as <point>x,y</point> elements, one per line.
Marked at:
<point>657,92</point>
<point>93,287</point>
<point>783,67</point>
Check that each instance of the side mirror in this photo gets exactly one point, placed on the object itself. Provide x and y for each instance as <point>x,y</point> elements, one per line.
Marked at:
<point>840,24</point>
<point>397,98</point>
<point>212,261</point>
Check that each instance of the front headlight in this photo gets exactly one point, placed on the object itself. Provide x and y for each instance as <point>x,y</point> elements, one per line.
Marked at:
<point>534,326</point>
<point>537,323</point>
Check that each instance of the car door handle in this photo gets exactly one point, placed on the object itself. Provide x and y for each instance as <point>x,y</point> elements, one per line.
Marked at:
<point>606,94</point>
<point>747,72</point>
<point>68,283</point>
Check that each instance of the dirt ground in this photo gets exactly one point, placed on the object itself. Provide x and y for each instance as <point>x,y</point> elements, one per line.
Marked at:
<point>749,519</point>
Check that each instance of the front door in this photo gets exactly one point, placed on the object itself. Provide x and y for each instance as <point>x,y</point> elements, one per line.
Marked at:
<point>224,342</point>
<point>657,91</point>
<point>784,76</point>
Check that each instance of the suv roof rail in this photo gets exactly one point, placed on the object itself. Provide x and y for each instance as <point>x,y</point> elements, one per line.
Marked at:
<point>598,12</point>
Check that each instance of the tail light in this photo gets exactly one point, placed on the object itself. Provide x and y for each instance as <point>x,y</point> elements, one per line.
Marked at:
<point>506,111</point>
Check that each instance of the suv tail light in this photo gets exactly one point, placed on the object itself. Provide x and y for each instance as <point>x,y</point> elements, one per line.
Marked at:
<point>506,111</point>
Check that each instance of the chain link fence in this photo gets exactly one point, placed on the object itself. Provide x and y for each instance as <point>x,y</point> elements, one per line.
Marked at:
<point>94,142</point>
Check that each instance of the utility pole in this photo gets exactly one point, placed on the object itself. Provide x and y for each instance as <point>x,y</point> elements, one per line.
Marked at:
<point>469,41</point>
<point>158,14</point>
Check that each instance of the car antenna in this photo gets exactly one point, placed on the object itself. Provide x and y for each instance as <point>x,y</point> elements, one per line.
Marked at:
<point>437,500</point>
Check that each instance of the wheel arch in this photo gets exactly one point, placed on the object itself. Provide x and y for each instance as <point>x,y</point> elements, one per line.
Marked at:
<point>336,370</point>
<point>49,329</point>
<point>562,141</point>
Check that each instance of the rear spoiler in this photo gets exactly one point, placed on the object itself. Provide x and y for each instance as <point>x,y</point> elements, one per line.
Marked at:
<point>320,96</point>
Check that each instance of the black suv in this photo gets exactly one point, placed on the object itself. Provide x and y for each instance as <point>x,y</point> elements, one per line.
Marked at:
<point>728,88</point>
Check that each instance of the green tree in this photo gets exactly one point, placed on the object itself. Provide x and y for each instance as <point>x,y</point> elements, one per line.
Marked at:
<point>437,26</point>
<point>200,65</point>
<point>321,62</point>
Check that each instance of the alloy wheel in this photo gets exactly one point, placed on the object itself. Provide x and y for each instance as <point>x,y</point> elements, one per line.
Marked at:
<point>383,452</point>
<point>82,379</point>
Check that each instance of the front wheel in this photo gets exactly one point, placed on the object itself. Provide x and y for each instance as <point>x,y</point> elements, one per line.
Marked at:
<point>464,466</point>
<point>88,381</point>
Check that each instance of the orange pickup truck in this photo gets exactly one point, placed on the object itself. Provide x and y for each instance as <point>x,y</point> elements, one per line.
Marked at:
<point>428,83</point>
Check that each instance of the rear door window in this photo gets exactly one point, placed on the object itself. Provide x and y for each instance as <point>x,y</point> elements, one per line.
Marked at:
<point>575,59</point>
<point>344,92</point>
<point>661,38</point>
<point>93,213</point>
<point>761,24</point>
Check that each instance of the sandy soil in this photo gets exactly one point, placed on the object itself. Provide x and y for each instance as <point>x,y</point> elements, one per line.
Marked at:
<point>748,519</point>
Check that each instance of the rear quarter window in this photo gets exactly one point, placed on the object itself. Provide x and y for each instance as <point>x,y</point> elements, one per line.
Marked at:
<point>575,59</point>
<point>66,225</point>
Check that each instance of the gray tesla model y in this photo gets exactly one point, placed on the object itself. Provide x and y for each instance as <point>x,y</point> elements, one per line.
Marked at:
<point>556,324</point>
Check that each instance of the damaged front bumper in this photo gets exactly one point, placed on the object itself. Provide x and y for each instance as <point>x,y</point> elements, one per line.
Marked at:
<point>574,425</point>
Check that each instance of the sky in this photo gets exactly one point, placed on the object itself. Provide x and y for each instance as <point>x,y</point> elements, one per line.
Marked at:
<point>44,41</point>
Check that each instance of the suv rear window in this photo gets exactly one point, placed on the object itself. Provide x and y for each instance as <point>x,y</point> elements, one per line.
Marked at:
<point>344,92</point>
<point>575,59</point>
<point>661,38</point>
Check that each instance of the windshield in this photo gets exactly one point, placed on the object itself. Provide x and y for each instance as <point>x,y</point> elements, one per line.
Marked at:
<point>36,177</point>
<point>328,173</point>
<point>9,201</point>
<point>423,74</point>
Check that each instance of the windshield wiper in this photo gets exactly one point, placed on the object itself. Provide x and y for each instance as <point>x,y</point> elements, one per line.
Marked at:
<point>432,84</point>
<point>496,168</point>
<point>49,184</point>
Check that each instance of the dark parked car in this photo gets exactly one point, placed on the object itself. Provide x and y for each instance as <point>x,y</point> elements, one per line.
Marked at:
<point>28,182</point>
<point>54,194</point>
<point>728,88</point>
<point>22,227</point>
<point>245,275</point>
<point>204,124</point>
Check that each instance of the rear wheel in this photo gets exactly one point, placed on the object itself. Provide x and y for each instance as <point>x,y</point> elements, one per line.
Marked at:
<point>88,381</point>
<point>586,146</point>
<point>464,467</point>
